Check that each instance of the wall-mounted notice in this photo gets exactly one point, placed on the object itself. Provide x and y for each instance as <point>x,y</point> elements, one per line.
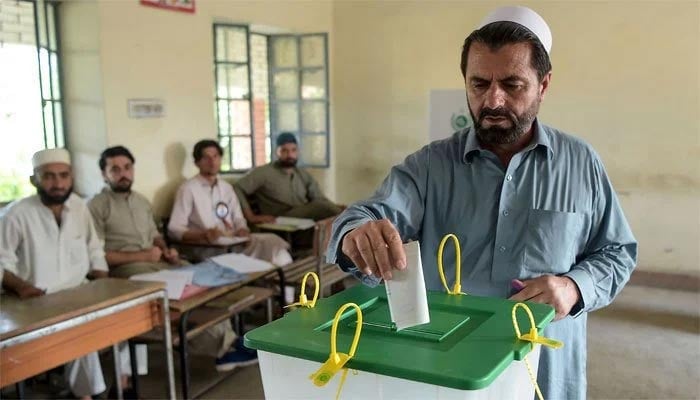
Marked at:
<point>146,108</point>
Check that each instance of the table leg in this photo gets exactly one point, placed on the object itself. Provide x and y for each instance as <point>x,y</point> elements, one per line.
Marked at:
<point>168,344</point>
<point>19,386</point>
<point>269,309</point>
<point>134,368</point>
<point>184,362</point>
<point>117,371</point>
<point>283,284</point>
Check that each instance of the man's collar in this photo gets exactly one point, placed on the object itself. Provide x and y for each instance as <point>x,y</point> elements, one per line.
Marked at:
<point>66,204</point>
<point>121,195</point>
<point>541,138</point>
<point>204,182</point>
<point>277,165</point>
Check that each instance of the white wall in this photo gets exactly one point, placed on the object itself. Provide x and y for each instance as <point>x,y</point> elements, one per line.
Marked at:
<point>86,128</point>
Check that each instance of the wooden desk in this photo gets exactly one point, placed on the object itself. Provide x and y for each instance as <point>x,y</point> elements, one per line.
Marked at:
<point>210,317</point>
<point>41,333</point>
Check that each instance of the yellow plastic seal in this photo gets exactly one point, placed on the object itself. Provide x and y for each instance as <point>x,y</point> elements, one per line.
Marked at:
<point>336,361</point>
<point>534,338</point>
<point>303,300</point>
<point>457,289</point>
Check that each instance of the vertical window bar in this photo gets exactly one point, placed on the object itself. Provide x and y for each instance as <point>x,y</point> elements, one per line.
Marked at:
<point>328,96</point>
<point>299,94</point>
<point>216,84</point>
<point>229,133</point>
<point>251,120</point>
<point>57,37</point>
<point>38,57</point>
<point>271,95</point>
<point>48,54</point>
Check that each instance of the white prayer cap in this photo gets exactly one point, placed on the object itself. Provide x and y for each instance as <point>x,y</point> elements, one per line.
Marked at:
<point>525,17</point>
<point>49,156</point>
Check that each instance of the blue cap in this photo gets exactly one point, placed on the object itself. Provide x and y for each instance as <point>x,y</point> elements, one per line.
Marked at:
<point>286,137</point>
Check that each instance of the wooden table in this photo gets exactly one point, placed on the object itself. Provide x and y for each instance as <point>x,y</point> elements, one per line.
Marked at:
<point>196,307</point>
<point>41,333</point>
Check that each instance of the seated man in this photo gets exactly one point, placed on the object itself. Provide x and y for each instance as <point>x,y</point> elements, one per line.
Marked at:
<point>124,220</point>
<point>281,189</point>
<point>206,208</point>
<point>47,244</point>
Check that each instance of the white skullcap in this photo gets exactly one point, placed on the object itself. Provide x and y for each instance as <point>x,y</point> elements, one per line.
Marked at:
<point>525,17</point>
<point>49,156</point>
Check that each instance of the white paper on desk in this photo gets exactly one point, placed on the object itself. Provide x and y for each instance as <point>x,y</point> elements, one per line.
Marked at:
<point>242,263</point>
<point>408,300</point>
<point>229,241</point>
<point>175,281</point>
<point>300,223</point>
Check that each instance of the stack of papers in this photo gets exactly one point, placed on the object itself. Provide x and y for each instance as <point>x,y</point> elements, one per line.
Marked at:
<point>299,223</point>
<point>210,274</point>
<point>288,224</point>
<point>242,263</point>
<point>228,240</point>
<point>175,281</point>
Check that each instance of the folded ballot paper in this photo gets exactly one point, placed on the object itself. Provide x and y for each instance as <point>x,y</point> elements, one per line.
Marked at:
<point>408,300</point>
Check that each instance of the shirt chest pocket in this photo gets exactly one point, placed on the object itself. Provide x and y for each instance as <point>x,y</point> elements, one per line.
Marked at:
<point>551,240</point>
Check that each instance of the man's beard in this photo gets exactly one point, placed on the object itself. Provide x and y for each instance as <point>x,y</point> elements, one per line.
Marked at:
<point>497,135</point>
<point>289,163</point>
<point>53,200</point>
<point>121,189</point>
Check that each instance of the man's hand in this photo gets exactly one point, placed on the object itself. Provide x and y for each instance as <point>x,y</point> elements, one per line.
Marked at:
<point>263,219</point>
<point>171,256</point>
<point>154,254</point>
<point>29,291</point>
<point>243,232</point>
<point>210,235</point>
<point>559,292</point>
<point>375,248</point>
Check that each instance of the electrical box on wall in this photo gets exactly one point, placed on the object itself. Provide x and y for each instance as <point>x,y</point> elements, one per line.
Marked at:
<point>146,108</point>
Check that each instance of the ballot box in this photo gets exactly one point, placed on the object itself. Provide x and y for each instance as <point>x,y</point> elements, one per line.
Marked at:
<point>469,350</point>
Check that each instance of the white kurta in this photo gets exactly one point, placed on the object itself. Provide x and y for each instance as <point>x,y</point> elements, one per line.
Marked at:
<point>36,249</point>
<point>195,208</point>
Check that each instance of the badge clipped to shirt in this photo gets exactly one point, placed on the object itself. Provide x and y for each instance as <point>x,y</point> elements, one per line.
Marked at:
<point>221,210</point>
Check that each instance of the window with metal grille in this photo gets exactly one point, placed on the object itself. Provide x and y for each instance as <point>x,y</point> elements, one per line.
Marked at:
<point>31,108</point>
<point>266,85</point>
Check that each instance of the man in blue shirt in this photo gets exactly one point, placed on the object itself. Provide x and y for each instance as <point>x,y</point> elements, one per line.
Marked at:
<point>528,203</point>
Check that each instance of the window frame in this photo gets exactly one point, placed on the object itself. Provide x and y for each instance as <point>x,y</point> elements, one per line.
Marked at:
<point>45,16</point>
<point>59,138</point>
<point>300,133</point>
<point>271,104</point>
<point>228,99</point>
